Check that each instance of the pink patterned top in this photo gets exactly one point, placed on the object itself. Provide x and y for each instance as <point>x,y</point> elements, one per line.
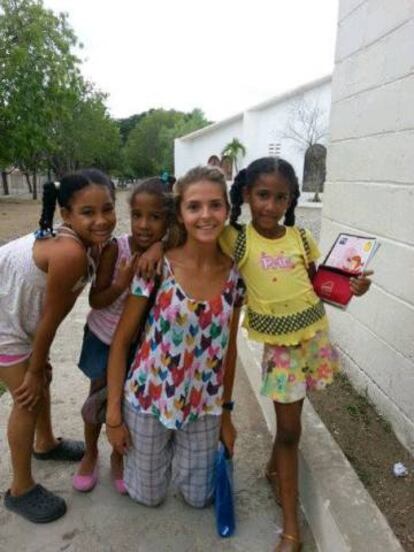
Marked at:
<point>103,322</point>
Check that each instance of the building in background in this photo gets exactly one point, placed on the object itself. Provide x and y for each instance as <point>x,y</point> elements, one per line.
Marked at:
<point>293,125</point>
<point>370,191</point>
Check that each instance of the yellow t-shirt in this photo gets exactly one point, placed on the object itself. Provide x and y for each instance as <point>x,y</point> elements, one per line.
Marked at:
<point>282,307</point>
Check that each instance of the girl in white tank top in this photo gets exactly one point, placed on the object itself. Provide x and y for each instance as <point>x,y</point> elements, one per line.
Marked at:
<point>41,277</point>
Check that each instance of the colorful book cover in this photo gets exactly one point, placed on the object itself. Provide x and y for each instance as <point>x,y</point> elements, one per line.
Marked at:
<point>348,257</point>
<point>351,253</point>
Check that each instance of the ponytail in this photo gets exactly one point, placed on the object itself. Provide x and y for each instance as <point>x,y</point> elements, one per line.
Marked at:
<point>49,198</point>
<point>236,197</point>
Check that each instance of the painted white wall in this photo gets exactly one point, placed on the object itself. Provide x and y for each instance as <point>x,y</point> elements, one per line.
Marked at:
<point>256,128</point>
<point>370,191</point>
<point>196,148</point>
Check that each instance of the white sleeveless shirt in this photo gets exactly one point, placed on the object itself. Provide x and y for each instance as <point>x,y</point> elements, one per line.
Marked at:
<point>22,293</point>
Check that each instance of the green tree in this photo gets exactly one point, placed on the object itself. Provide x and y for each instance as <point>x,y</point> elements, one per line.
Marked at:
<point>40,81</point>
<point>127,124</point>
<point>150,145</point>
<point>89,138</point>
<point>233,150</point>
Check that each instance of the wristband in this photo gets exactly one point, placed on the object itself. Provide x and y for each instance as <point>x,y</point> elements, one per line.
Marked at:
<point>229,405</point>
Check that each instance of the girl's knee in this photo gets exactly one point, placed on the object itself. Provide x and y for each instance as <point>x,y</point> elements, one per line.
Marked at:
<point>288,436</point>
<point>199,502</point>
<point>149,500</point>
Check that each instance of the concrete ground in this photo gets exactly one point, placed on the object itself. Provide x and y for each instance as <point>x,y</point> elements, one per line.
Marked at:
<point>105,521</point>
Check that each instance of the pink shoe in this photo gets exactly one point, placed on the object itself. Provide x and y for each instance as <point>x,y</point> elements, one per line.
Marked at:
<point>85,483</point>
<point>120,486</point>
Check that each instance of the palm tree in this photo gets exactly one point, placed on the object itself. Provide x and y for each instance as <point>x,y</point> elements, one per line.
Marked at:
<point>232,150</point>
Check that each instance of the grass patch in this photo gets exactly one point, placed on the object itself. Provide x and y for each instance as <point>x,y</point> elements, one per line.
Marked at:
<point>2,389</point>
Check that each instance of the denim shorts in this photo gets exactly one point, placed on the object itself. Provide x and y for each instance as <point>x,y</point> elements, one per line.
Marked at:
<point>93,360</point>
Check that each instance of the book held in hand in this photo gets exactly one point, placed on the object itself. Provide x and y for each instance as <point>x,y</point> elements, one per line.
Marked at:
<point>348,258</point>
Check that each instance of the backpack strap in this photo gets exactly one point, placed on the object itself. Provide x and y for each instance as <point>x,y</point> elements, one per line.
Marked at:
<point>305,243</point>
<point>240,246</point>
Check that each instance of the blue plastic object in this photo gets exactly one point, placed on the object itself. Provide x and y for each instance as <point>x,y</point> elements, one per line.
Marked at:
<point>223,493</point>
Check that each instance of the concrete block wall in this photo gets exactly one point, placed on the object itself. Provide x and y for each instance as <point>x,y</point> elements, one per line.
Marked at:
<point>370,191</point>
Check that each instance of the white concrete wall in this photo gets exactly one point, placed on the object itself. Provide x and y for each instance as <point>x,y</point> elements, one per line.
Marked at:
<point>272,125</point>
<point>198,147</point>
<point>257,127</point>
<point>370,191</point>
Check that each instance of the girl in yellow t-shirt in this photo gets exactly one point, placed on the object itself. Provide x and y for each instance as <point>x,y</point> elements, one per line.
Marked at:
<point>277,262</point>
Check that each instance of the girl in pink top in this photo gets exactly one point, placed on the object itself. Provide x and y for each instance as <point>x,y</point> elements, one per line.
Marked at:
<point>151,210</point>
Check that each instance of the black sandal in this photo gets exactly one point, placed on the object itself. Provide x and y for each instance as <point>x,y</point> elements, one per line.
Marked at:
<point>67,449</point>
<point>37,505</point>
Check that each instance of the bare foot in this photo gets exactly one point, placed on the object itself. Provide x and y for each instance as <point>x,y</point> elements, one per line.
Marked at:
<point>289,543</point>
<point>88,463</point>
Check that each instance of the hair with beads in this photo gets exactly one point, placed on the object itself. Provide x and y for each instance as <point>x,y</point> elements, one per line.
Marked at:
<point>247,178</point>
<point>62,193</point>
<point>193,176</point>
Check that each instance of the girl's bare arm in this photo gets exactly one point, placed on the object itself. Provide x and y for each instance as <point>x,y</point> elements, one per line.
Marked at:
<point>228,431</point>
<point>105,291</point>
<point>131,319</point>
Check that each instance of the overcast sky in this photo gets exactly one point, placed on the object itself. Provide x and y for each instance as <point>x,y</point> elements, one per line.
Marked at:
<point>219,55</point>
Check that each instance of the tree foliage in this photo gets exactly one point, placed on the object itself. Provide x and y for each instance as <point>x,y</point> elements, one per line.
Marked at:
<point>50,118</point>
<point>40,79</point>
<point>88,138</point>
<point>233,150</point>
<point>150,145</point>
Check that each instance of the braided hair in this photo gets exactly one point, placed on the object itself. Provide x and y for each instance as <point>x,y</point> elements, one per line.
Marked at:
<point>247,178</point>
<point>62,192</point>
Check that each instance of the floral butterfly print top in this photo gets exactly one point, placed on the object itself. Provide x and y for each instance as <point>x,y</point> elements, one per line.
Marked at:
<point>177,372</point>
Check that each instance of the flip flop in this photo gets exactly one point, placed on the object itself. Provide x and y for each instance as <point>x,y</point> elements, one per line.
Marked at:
<point>37,505</point>
<point>66,449</point>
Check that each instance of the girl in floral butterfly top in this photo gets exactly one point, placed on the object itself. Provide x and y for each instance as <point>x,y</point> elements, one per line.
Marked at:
<point>168,416</point>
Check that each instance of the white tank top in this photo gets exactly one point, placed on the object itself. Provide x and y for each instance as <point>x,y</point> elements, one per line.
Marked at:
<point>22,292</point>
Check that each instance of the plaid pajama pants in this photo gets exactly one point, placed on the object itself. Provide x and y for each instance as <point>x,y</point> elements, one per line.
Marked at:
<point>159,454</point>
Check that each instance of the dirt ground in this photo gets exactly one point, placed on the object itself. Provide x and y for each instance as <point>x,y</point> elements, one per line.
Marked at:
<point>18,216</point>
<point>365,438</point>
<point>372,448</point>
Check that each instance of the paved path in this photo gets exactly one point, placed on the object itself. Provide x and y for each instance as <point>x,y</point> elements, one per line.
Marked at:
<point>104,521</point>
